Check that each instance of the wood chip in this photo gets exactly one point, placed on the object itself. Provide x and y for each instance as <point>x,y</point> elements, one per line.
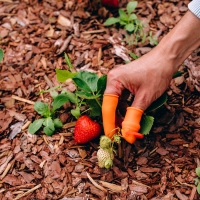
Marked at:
<point>69,125</point>
<point>22,99</point>
<point>28,192</point>
<point>95,183</point>
<point>111,186</point>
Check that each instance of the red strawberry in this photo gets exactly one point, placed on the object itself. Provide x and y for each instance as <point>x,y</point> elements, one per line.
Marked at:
<point>86,130</point>
<point>110,3</point>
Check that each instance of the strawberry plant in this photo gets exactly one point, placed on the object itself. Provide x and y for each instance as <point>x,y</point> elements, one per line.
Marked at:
<point>126,18</point>
<point>89,94</point>
<point>1,55</point>
<point>197,180</point>
<point>49,121</point>
<point>134,26</point>
<point>90,89</point>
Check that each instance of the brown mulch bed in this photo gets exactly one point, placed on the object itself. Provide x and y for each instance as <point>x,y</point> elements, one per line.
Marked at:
<point>34,36</point>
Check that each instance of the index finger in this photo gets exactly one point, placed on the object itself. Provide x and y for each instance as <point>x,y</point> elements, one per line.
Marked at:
<point>114,82</point>
<point>114,88</point>
<point>109,106</point>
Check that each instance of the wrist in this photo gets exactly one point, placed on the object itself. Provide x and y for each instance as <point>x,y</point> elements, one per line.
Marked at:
<point>181,41</point>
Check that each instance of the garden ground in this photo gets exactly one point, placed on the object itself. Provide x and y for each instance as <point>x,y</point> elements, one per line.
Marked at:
<point>34,36</point>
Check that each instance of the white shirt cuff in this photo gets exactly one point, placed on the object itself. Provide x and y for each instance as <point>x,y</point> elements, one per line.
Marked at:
<point>194,7</point>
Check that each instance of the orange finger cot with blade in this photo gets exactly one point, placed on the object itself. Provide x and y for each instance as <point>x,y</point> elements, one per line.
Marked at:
<point>130,125</point>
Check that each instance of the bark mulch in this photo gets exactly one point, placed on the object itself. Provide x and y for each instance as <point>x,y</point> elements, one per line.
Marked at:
<point>34,36</point>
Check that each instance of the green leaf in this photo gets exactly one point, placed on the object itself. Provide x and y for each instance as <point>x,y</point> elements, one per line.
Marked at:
<point>76,112</point>
<point>54,94</point>
<point>177,74</point>
<point>49,126</point>
<point>131,6</point>
<point>35,126</point>
<point>63,75</point>
<point>134,56</point>
<point>196,181</point>
<point>48,122</point>
<point>59,101</point>
<point>95,108</point>
<point>132,17</point>
<point>68,61</point>
<point>72,97</point>
<point>87,81</point>
<point>101,84</point>
<point>64,90</point>
<point>198,188</point>
<point>48,131</point>
<point>144,37</point>
<point>86,95</point>
<point>42,109</point>
<point>110,21</point>
<point>57,123</point>
<point>152,39</point>
<point>138,27</point>
<point>1,55</point>
<point>122,15</point>
<point>123,23</point>
<point>197,170</point>
<point>129,27</point>
<point>146,124</point>
<point>157,103</point>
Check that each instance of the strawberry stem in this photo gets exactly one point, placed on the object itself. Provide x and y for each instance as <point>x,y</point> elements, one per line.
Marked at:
<point>85,110</point>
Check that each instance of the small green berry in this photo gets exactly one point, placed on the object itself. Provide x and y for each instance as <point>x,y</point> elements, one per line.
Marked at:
<point>108,163</point>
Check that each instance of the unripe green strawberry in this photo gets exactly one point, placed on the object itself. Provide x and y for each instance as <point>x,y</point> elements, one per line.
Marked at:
<point>108,163</point>
<point>105,158</point>
<point>105,142</point>
<point>86,130</point>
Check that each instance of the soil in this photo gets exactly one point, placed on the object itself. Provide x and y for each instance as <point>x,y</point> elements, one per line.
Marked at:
<point>34,36</point>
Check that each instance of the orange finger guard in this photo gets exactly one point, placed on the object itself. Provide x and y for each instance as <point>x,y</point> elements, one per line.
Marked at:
<point>131,124</point>
<point>109,106</point>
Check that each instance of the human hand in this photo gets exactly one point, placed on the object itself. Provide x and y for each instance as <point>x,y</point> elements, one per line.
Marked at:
<point>147,78</point>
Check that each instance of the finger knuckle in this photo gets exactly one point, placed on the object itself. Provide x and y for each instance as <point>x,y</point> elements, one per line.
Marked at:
<point>113,75</point>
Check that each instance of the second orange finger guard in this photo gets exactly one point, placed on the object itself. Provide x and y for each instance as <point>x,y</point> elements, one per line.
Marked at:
<point>109,106</point>
<point>131,124</point>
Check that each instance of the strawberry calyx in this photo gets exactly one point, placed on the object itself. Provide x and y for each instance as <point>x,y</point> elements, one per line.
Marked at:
<point>105,142</point>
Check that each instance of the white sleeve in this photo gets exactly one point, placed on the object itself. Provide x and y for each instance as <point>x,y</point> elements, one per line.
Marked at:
<point>194,7</point>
